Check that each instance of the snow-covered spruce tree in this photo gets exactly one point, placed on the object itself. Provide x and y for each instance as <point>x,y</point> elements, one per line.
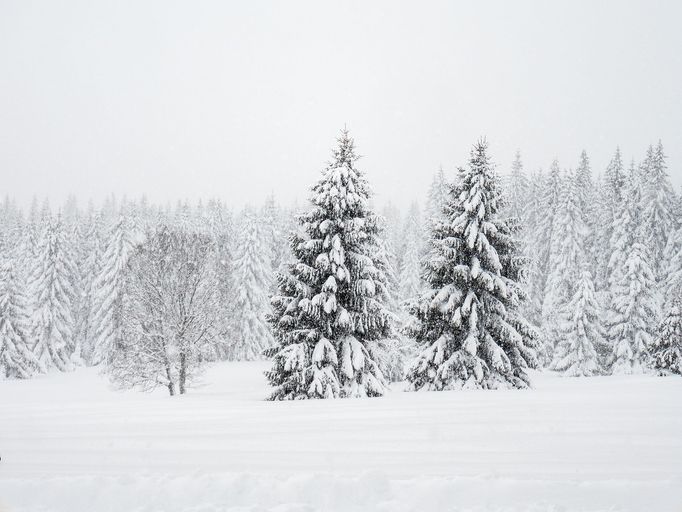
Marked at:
<point>274,225</point>
<point>666,352</point>
<point>53,295</point>
<point>673,267</point>
<point>469,323</point>
<point>579,332</point>
<point>391,354</point>
<point>330,305</point>
<point>566,261</point>
<point>532,248</point>
<point>517,190</point>
<point>89,270</point>
<point>220,226</point>
<point>250,333</point>
<point>436,198</point>
<point>16,358</point>
<point>586,195</point>
<point>547,241</point>
<point>633,314</point>
<point>624,231</point>
<point>658,207</point>
<point>611,193</point>
<point>169,311</point>
<point>410,284</point>
<point>392,231</point>
<point>615,179</point>
<point>108,299</point>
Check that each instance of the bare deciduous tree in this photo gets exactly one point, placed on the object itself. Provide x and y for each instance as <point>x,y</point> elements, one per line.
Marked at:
<point>170,311</point>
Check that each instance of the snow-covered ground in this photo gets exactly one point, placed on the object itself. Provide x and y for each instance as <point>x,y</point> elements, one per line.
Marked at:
<point>70,443</point>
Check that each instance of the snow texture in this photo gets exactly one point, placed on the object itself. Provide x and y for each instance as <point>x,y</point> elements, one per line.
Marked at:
<point>70,444</point>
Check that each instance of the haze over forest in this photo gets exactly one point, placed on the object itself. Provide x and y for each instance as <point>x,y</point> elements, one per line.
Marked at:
<point>177,100</point>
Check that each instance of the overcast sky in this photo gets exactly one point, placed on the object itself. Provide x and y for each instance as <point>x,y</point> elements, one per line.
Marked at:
<point>236,100</point>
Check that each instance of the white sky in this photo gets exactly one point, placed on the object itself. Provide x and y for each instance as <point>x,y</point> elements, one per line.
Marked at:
<point>213,98</point>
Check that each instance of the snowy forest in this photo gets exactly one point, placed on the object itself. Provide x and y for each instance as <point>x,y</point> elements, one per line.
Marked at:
<point>501,269</point>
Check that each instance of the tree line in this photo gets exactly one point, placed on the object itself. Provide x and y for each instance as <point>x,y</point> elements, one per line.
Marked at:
<point>570,270</point>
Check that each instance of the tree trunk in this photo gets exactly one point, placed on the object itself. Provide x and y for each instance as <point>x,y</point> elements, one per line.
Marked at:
<point>183,372</point>
<point>171,384</point>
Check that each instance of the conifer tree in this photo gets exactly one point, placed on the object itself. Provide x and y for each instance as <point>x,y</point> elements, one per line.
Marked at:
<point>612,192</point>
<point>275,225</point>
<point>518,191</point>
<point>392,230</point>
<point>468,324</point>
<point>410,278</point>
<point>51,284</point>
<point>658,206</point>
<point>109,286</point>
<point>584,183</point>
<point>250,334</point>
<point>89,271</point>
<point>623,236</point>
<point>533,248</point>
<point>586,196</point>
<point>546,236</point>
<point>667,348</point>
<point>391,354</point>
<point>16,358</point>
<point>633,314</point>
<point>436,198</point>
<point>221,229</point>
<point>566,260</point>
<point>673,267</point>
<point>615,179</point>
<point>330,307</point>
<point>579,332</point>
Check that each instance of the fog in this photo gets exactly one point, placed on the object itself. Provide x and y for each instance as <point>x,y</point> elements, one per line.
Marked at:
<point>202,99</point>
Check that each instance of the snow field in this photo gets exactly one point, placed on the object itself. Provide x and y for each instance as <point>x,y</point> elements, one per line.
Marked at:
<point>69,443</point>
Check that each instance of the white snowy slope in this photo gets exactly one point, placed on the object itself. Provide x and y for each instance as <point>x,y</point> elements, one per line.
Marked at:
<point>70,443</point>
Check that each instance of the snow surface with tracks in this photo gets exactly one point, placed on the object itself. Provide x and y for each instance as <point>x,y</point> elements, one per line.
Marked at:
<point>69,442</point>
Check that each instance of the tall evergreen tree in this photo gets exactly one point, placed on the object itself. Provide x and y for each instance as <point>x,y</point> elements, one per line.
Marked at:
<point>586,193</point>
<point>391,354</point>
<point>221,228</point>
<point>89,271</point>
<point>109,284</point>
<point>436,198</point>
<point>250,333</point>
<point>393,232</point>
<point>611,194</point>
<point>468,323</point>
<point>633,314</point>
<point>275,226</point>
<point>518,189</point>
<point>658,207</point>
<point>615,178</point>
<point>623,231</point>
<point>330,306</point>
<point>51,284</point>
<point>667,348</point>
<point>547,240</point>
<point>673,267</point>
<point>16,358</point>
<point>566,260</point>
<point>410,278</point>
<point>534,247</point>
<point>579,332</point>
